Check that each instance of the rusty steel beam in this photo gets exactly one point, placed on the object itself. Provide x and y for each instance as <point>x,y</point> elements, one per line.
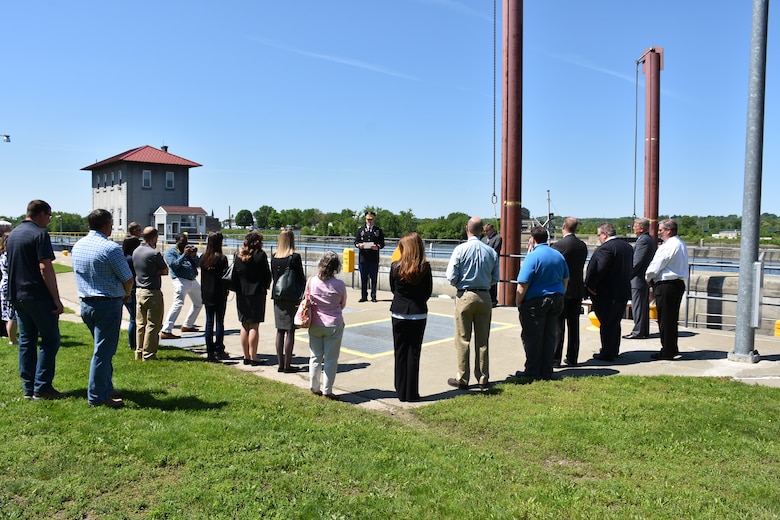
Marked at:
<point>652,65</point>
<point>511,148</point>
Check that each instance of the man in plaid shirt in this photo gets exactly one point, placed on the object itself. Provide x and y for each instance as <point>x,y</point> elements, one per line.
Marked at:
<point>103,281</point>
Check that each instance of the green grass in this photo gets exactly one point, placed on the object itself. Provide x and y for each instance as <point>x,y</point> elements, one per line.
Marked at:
<point>200,440</point>
<point>62,268</point>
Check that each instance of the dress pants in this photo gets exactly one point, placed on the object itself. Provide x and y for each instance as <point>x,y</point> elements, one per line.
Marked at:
<point>407,343</point>
<point>181,289</point>
<point>539,321</point>
<point>473,310</point>
<point>640,309</point>
<point>569,318</point>
<point>324,347</point>
<point>369,271</point>
<point>35,318</point>
<point>668,296</point>
<point>148,321</point>
<point>103,318</point>
<point>610,313</point>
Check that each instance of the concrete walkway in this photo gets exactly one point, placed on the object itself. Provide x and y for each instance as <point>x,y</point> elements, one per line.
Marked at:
<point>366,364</point>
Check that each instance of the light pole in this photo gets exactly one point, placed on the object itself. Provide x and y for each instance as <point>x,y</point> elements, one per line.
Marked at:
<point>60,219</point>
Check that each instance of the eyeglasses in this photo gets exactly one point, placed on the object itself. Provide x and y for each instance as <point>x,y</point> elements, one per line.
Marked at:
<point>369,220</point>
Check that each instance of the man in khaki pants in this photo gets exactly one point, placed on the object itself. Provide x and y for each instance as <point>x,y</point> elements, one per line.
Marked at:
<point>472,269</point>
<point>150,267</point>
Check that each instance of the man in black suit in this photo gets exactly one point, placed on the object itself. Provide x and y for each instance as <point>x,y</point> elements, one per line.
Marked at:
<point>608,282</point>
<point>369,240</point>
<point>575,252</point>
<point>644,249</point>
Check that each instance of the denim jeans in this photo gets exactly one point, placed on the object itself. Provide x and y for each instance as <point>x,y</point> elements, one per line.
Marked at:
<point>36,318</point>
<point>215,328</point>
<point>130,306</point>
<point>103,318</point>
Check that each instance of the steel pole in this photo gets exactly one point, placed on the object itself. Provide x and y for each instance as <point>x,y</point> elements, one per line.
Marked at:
<point>652,66</point>
<point>511,147</point>
<point>744,339</point>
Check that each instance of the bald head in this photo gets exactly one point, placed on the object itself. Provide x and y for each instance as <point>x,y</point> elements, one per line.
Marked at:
<point>474,227</point>
<point>570,225</point>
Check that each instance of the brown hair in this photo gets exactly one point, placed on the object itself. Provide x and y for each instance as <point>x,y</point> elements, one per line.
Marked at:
<point>253,244</point>
<point>412,264</point>
<point>213,250</point>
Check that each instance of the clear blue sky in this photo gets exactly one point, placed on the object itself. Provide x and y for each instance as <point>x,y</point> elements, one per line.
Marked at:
<point>348,103</point>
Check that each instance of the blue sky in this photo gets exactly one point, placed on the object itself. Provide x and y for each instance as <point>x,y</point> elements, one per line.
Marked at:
<point>350,103</point>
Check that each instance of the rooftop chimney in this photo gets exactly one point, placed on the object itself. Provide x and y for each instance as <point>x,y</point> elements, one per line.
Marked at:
<point>164,148</point>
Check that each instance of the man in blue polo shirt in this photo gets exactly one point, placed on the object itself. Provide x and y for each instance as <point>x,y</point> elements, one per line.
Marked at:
<point>32,287</point>
<point>103,281</point>
<point>541,284</point>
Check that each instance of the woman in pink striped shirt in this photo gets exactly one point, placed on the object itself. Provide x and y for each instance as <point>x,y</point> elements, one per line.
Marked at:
<point>328,296</point>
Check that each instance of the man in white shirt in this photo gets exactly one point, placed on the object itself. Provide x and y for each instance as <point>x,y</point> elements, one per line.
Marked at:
<point>666,274</point>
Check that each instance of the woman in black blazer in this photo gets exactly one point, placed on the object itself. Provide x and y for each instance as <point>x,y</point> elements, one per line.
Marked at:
<point>411,282</point>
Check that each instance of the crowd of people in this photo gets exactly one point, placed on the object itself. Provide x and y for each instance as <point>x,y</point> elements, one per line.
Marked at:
<point>110,277</point>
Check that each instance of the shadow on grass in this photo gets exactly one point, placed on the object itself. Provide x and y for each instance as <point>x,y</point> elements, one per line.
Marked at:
<point>159,400</point>
<point>376,394</point>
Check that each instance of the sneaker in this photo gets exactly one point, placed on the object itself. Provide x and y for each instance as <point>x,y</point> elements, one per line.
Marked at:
<point>50,395</point>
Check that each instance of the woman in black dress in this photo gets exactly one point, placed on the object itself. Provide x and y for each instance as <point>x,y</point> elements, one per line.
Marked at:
<point>411,282</point>
<point>286,305</point>
<point>214,294</point>
<point>252,277</point>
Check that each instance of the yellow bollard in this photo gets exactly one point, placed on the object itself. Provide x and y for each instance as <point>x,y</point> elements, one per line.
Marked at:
<point>65,252</point>
<point>653,312</point>
<point>594,320</point>
<point>396,255</point>
<point>348,260</point>
<point>777,328</point>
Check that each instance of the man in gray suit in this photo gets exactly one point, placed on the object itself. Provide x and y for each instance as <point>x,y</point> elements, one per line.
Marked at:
<point>494,240</point>
<point>644,249</point>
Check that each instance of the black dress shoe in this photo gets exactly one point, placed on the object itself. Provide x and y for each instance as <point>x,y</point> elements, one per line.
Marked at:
<point>570,363</point>
<point>361,300</point>
<point>50,395</point>
<point>660,355</point>
<point>557,363</point>
<point>457,384</point>
<point>601,357</point>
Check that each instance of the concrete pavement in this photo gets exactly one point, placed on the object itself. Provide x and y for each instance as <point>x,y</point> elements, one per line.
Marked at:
<point>366,364</point>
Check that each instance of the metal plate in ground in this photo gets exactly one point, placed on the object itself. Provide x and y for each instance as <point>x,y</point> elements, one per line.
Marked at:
<point>375,338</point>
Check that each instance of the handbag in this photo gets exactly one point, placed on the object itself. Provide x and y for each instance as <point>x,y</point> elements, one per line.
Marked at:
<point>302,318</point>
<point>287,286</point>
<point>227,277</point>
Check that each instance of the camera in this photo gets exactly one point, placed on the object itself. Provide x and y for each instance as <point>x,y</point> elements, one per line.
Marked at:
<point>191,250</point>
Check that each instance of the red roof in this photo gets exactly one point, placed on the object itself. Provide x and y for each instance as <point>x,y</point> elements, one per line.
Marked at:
<point>184,209</point>
<point>145,154</point>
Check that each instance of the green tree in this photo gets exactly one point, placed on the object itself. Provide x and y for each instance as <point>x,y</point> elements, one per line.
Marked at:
<point>71,223</point>
<point>263,216</point>
<point>244,218</point>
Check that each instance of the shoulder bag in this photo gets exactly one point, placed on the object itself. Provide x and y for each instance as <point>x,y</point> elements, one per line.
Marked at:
<point>227,277</point>
<point>302,318</point>
<point>287,286</point>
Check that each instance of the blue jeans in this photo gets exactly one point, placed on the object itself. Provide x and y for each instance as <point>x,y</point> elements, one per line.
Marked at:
<point>215,319</point>
<point>103,317</point>
<point>130,306</point>
<point>36,318</point>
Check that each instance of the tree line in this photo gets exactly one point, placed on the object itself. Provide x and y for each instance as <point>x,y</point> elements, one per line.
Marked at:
<point>346,222</point>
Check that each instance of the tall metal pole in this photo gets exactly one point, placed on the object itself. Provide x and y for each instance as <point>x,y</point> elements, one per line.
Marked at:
<point>744,339</point>
<point>652,66</point>
<point>511,147</point>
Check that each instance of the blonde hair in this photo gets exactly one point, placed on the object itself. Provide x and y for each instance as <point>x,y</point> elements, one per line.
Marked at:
<point>285,244</point>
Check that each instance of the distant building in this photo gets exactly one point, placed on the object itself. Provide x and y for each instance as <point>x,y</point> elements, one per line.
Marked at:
<point>729,234</point>
<point>172,220</point>
<point>135,183</point>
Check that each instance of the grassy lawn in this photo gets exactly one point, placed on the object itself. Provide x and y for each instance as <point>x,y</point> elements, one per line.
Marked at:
<point>200,440</point>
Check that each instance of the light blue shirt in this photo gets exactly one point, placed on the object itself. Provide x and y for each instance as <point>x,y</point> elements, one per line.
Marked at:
<point>473,265</point>
<point>544,270</point>
<point>100,267</point>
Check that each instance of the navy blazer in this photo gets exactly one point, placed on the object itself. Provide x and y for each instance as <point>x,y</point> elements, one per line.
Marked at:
<point>575,251</point>
<point>408,298</point>
<point>609,270</point>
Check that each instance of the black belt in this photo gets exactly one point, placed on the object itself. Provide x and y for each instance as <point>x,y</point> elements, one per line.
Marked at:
<point>98,298</point>
<point>676,280</point>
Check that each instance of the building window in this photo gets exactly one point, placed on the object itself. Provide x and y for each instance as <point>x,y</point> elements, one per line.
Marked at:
<point>112,178</point>
<point>119,175</point>
<point>119,216</point>
<point>168,180</point>
<point>97,180</point>
<point>147,180</point>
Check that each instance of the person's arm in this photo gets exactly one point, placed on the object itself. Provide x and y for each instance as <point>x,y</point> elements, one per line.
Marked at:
<point>128,286</point>
<point>380,242</point>
<point>522,290</point>
<point>565,284</point>
<point>50,279</point>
